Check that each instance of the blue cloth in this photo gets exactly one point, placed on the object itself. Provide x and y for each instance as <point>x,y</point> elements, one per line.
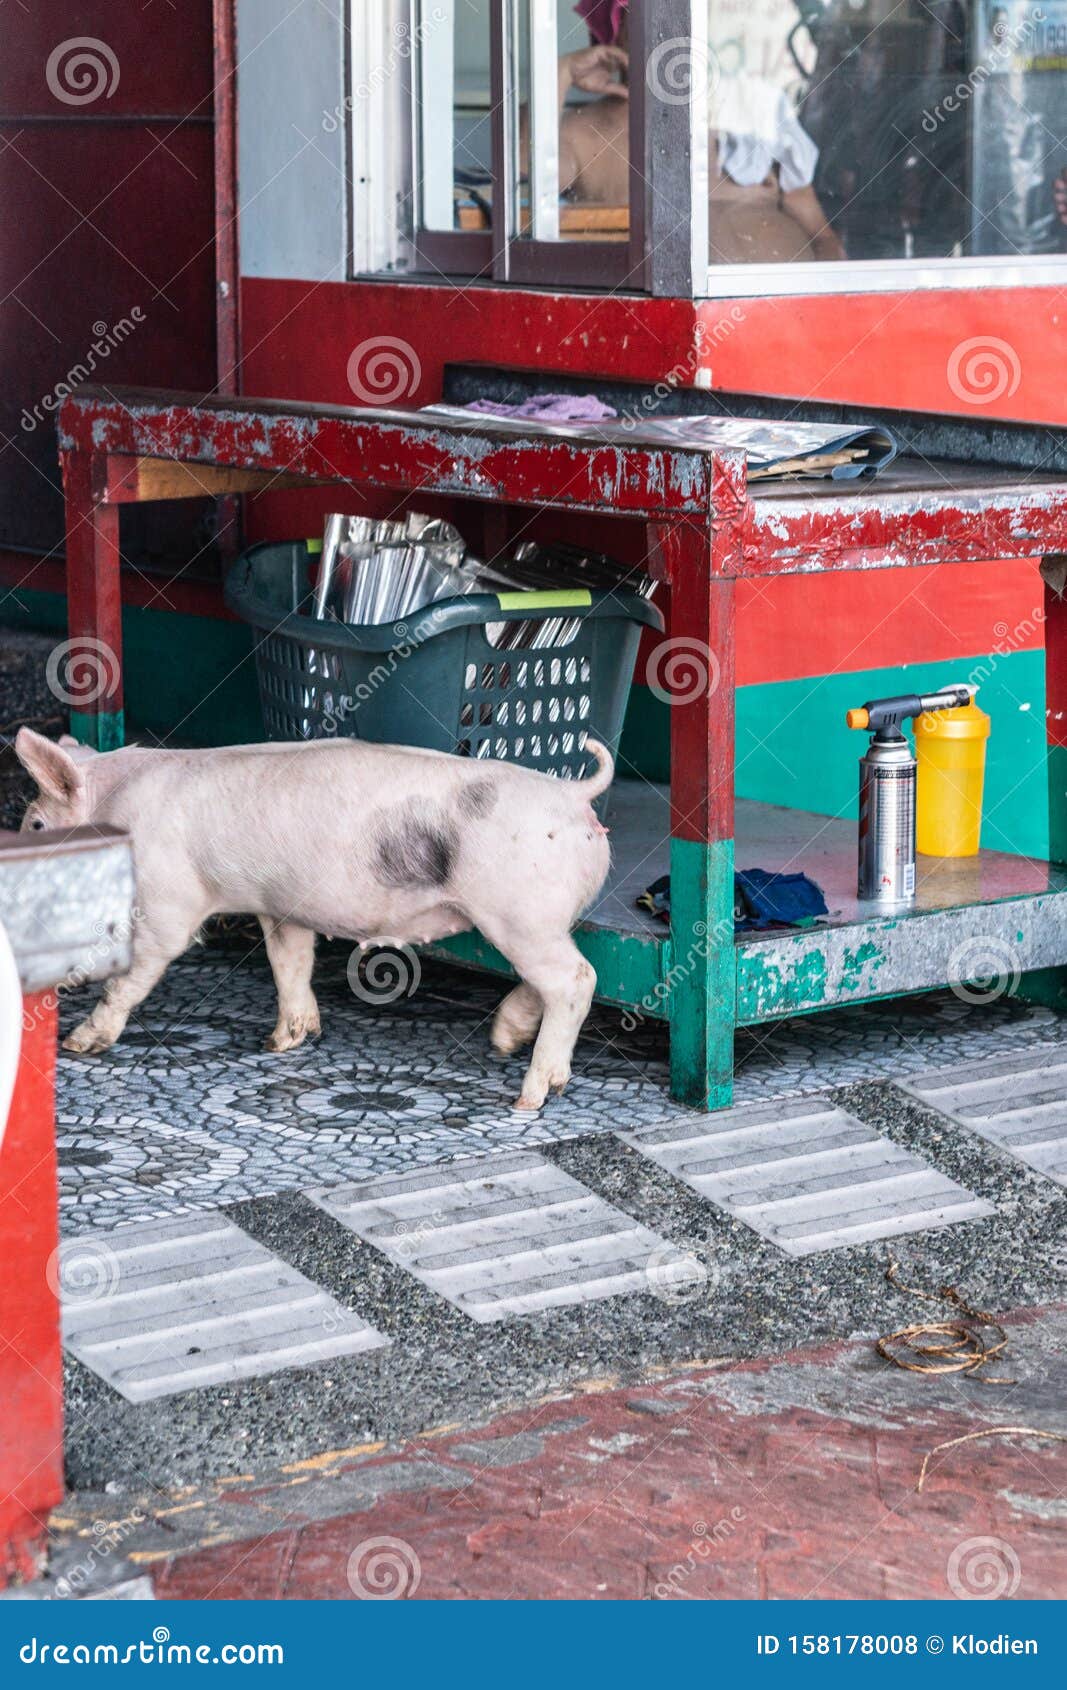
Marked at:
<point>761,899</point>
<point>777,900</point>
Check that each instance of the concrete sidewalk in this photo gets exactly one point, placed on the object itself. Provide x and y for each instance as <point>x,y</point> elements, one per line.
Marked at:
<point>795,1477</point>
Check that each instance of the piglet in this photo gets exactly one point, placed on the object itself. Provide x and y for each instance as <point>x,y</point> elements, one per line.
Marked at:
<point>372,843</point>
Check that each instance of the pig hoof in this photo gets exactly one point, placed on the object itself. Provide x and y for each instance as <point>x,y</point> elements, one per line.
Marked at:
<point>293,1031</point>
<point>532,1103</point>
<point>534,1092</point>
<point>86,1041</point>
<point>516,1021</point>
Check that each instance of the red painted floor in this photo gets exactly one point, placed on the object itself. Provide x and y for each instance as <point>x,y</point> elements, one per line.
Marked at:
<point>793,1478</point>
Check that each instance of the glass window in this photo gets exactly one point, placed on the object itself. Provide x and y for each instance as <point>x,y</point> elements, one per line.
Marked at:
<point>925,140</point>
<point>884,130</point>
<point>453,115</point>
<point>572,177</point>
<point>522,120</point>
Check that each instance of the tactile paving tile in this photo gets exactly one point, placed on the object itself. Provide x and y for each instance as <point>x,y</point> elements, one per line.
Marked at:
<point>500,1235</point>
<point>1018,1103</point>
<point>806,1175</point>
<point>178,1304</point>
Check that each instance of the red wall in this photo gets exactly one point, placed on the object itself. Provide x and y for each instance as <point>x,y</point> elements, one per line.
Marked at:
<point>980,353</point>
<point>106,205</point>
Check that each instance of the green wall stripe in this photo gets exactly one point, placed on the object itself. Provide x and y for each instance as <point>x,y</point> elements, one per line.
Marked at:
<point>793,746</point>
<point>192,676</point>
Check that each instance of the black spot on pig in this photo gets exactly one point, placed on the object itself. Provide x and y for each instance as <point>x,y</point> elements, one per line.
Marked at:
<point>477,798</point>
<point>416,845</point>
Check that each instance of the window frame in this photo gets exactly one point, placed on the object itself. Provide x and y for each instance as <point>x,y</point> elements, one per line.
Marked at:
<point>500,253</point>
<point>665,254</point>
<point>526,259</point>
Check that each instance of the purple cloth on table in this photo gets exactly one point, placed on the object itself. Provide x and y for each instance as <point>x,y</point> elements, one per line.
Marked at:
<point>548,407</point>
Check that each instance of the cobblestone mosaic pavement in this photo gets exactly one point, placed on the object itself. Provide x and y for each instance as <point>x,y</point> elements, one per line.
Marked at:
<point>187,1110</point>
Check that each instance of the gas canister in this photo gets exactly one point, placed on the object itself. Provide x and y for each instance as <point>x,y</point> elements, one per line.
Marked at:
<point>887,792</point>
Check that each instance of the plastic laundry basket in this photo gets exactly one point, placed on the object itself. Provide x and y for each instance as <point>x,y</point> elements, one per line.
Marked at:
<point>435,679</point>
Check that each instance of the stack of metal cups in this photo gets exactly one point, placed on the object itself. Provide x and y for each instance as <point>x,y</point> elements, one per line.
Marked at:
<point>377,571</point>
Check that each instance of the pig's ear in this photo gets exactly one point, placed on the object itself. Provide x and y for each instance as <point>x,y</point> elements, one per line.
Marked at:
<point>77,751</point>
<point>54,770</point>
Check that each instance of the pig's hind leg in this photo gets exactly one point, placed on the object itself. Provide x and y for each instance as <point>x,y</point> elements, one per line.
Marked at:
<point>554,971</point>
<point>291,951</point>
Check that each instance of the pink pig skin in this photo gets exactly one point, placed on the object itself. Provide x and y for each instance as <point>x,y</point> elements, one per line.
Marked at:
<point>358,841</point>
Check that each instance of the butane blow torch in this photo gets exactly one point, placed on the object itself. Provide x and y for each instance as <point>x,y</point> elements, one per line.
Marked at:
<point>887,791</point>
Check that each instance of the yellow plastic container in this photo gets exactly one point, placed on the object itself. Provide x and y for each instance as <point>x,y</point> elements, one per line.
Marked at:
<point>950,750</point>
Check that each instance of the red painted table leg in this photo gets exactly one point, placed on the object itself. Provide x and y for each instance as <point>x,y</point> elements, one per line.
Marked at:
<point>91,677</point>
<point>31,1383</point>
<point>698,663</point>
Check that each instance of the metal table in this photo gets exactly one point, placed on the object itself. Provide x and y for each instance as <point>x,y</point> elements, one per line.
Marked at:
<point>706,528</point>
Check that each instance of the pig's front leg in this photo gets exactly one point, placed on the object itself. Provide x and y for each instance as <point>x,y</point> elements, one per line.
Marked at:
<point>291,950</point>
<point>153,951</point>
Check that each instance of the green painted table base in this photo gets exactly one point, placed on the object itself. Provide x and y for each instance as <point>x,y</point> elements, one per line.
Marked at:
<point>104,732</point>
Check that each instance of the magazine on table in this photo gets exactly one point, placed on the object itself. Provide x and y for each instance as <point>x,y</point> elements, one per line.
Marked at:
<point>775,449</point>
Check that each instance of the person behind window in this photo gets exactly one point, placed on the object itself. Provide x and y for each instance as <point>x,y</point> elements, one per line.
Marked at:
<point>763,205</point>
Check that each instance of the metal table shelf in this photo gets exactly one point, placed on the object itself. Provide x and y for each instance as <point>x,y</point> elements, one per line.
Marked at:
<point>995,908</point>
<point>705,528</point>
